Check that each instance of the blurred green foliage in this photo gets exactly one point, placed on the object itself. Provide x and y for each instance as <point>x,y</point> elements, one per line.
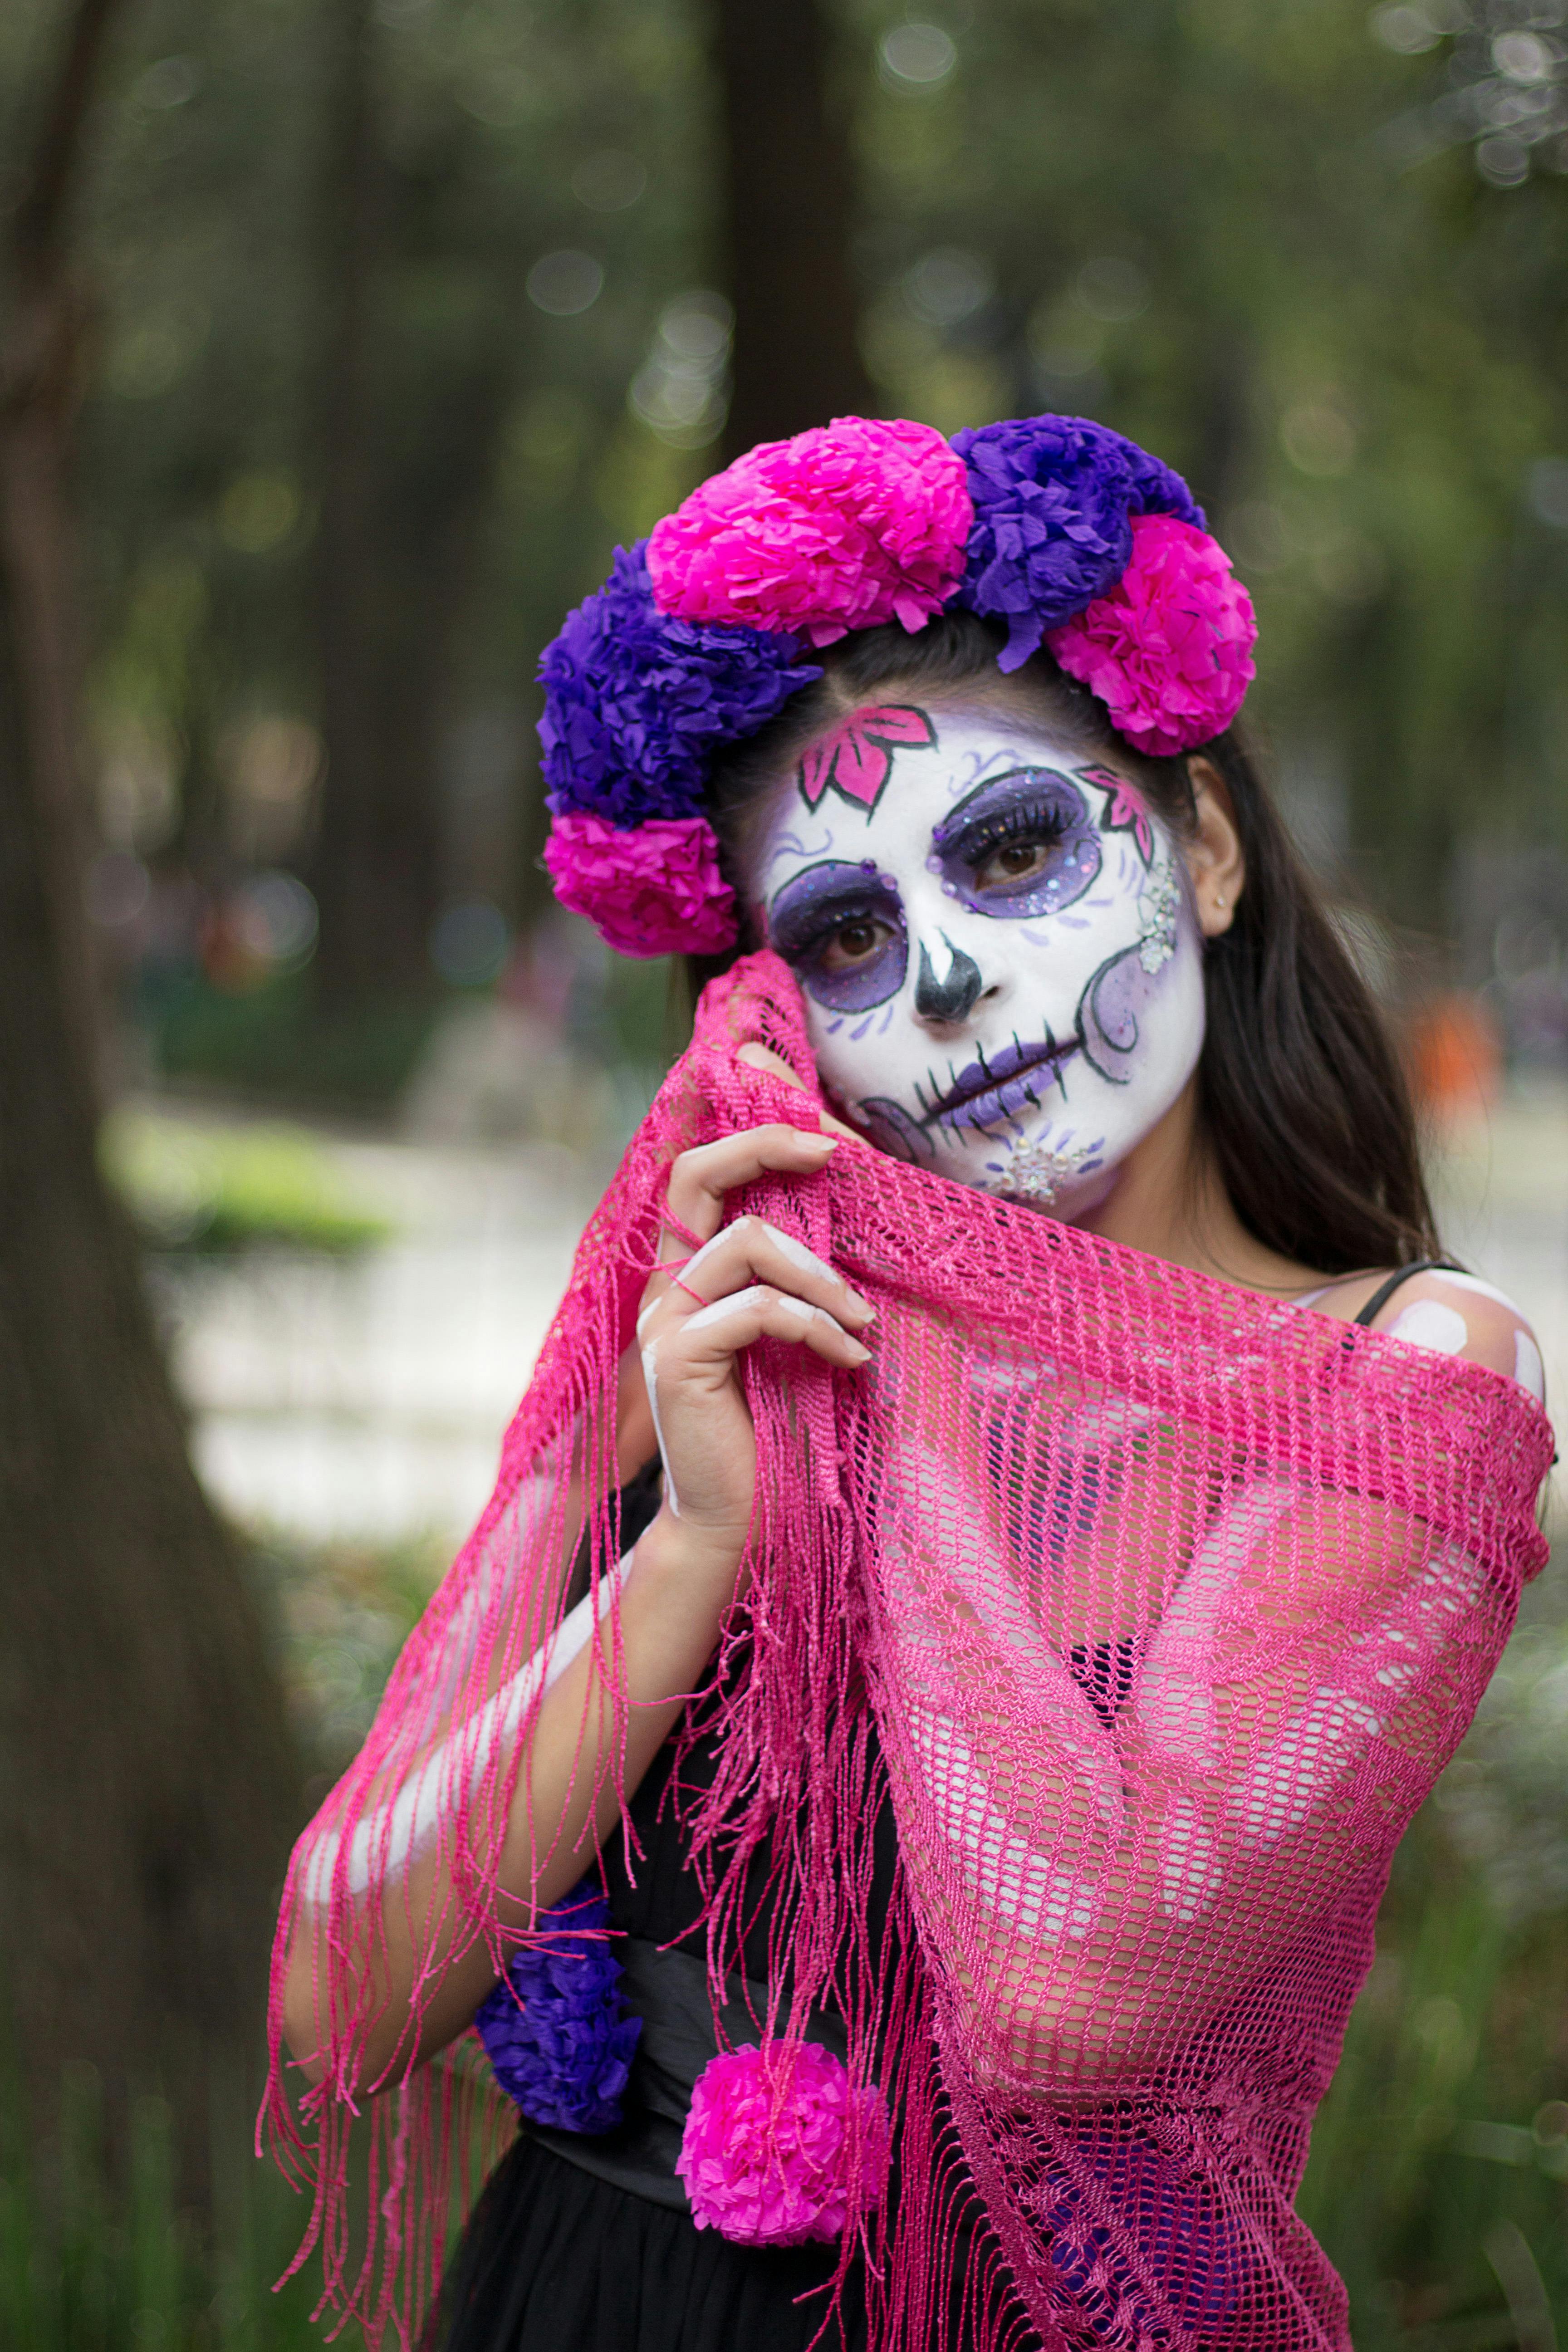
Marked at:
<point>114,2264</point>
<point>341,1611</point>
<point>226,1188</point>
<point>273,1040</point>
<point>1237,231</point>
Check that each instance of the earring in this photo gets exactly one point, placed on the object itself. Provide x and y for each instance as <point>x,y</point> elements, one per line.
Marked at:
<point>1219,898</point>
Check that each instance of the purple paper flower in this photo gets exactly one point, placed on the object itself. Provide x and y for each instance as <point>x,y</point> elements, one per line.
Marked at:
<point>1053,496</point>
<point>635,701</point>
<point>554,2028</point>
<point>1158,488</point>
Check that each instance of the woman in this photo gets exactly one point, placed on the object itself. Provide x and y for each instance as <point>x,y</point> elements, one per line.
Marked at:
<point>973,1390</point>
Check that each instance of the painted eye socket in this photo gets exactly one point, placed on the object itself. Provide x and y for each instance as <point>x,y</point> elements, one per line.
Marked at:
<point>841,929</point>
<point>852,942</point>
<point>1022,844</point>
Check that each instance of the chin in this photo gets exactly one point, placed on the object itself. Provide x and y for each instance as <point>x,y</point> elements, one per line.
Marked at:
<point>1077,1204</point>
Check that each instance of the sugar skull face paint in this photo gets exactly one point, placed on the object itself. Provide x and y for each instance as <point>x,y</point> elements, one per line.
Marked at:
<point>994,937</point>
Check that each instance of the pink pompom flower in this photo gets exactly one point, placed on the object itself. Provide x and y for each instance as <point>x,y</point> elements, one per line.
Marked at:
<point>780,2147</point>
<point>1169,649</point>
<point>655,891</point>
<point>851,524</point>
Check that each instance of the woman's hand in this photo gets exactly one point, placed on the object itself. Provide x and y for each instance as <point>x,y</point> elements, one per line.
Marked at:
<point>745,1283</point>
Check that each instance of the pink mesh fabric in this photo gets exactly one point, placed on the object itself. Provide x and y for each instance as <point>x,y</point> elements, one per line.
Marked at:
<point>1167,1604</point>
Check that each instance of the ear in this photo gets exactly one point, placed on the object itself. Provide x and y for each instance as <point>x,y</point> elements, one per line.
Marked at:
<point>1215,865</point>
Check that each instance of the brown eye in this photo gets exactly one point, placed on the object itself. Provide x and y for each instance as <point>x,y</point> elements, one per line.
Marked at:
<point>1014,861</point>
<point>853,942</point>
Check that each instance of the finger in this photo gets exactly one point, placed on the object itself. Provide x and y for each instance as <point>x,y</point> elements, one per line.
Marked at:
<point>714,1334</point>
<point>700,1179</point>
<point>762,1057</point>
<point>774,1066</point>
<point>752,1250</point>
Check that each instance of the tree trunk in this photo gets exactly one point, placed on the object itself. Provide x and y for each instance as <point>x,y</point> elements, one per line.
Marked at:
<point>376,867</point>
<point>789,196</point>
<point>147,1782</point>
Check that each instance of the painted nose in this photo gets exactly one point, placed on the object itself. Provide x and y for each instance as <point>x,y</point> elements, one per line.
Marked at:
<point>953,997</point>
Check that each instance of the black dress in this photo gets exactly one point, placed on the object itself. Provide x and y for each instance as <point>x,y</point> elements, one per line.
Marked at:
<point>557,2257</point>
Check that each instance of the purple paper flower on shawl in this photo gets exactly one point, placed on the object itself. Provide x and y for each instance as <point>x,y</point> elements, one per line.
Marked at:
<point>635,701</point>
<point>1053,496</point>
<point>554,2028</point>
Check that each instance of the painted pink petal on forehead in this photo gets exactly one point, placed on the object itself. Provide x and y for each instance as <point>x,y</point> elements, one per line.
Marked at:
<point>858,756</point>
<point>1126,811</point>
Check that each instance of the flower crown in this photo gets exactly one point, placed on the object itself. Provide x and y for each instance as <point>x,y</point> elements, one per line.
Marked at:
<point>1071,534</point>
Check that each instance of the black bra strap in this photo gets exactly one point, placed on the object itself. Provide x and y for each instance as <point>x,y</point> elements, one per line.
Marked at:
<point>1385,1290</point>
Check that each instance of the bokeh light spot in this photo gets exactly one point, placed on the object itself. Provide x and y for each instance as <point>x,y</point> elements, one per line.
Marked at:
<point>947,286</point>
<point>609,182</point>
<point>566,283</point>
<point>1406,31</point>
<point>916,57</point>
<point>468,943</point>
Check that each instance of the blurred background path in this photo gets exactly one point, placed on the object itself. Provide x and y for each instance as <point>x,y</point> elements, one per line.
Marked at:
<point>365,1396</point>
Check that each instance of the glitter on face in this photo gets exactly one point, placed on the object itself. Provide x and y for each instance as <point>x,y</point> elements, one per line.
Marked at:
<point>1034,1172</point>
<point>1159,905</point>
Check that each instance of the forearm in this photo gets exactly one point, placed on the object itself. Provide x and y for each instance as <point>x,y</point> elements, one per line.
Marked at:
<point>586,1749</point>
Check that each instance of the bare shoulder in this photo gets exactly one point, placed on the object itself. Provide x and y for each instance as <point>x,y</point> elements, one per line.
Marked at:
<point>1460,1315</point>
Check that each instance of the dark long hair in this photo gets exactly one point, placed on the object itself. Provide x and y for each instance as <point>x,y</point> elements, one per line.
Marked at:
<point>1301,1094</point>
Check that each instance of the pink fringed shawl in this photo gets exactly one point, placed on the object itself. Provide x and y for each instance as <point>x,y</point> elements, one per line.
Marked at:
<point>1167,1604</point>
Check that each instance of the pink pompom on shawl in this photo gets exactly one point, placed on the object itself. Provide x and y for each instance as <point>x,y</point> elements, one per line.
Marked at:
<point>851,524</point>
<point>1153,1607</point>
<point>651,889</point>
<point>780,2145</point>
<point>1169,649</point>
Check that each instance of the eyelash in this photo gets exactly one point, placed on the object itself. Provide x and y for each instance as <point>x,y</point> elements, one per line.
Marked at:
<point>1037,821</point>
<point>832,919</point>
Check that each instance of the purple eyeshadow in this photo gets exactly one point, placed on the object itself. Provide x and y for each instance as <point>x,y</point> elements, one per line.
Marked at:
<point>1029,804</point>
<point>808,912</point>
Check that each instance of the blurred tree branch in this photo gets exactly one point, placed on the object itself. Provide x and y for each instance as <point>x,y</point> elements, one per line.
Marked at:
<point>39,377</point>
<point>396,536</point>
<point>789,196</point>
<point>56,167</point>
<point>147,1782</point>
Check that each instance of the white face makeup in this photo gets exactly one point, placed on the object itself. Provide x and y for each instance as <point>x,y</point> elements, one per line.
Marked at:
<point>997,942</point>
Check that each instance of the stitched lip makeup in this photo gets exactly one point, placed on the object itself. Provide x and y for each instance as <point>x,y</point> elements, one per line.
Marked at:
<point>1001,1086</point>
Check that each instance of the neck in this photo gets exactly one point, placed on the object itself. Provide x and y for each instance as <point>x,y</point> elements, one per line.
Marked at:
<point>1169,1202</point>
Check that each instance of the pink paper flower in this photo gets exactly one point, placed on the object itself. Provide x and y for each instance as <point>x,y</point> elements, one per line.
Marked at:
<point>654,891</point>
<point>779,2148</point>
<point>851,524</point>
<point>1169,649</point>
